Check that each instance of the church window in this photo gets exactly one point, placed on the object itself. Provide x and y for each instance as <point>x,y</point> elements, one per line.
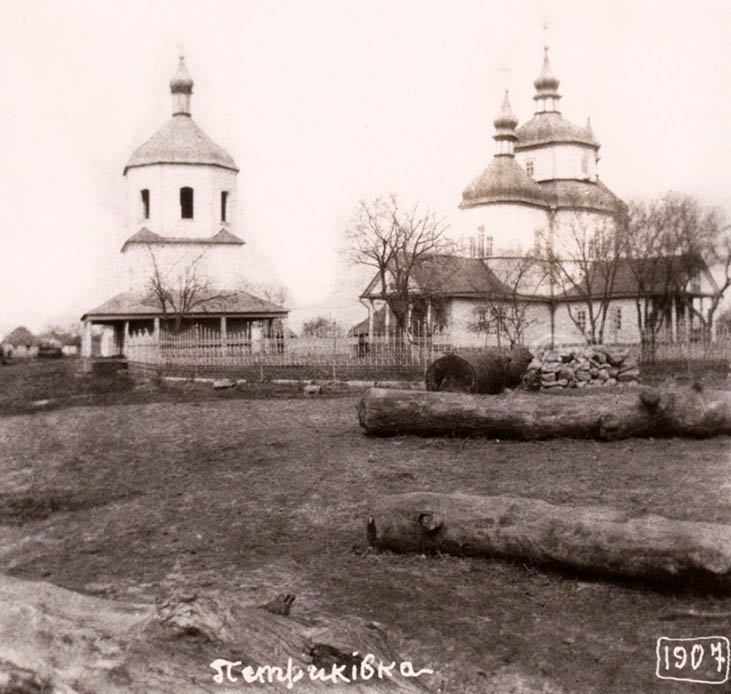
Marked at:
<point>585,164</point>
<point>581,319</point>
<point>529,167</point>
<point>224,201</point>
<point>617,318</point>
<point>145,196</point>
<point>186,203</point>
<point>488,246</point>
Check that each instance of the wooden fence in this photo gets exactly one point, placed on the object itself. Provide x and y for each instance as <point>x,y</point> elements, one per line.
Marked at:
<point>332,354</point>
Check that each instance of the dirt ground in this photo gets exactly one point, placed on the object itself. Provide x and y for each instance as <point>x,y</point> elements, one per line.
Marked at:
<point>258,494</point>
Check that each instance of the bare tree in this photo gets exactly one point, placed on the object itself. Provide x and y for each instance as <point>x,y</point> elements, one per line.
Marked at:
<point>672,241</point>
<point>178,290</point>
<point>504,307</point>
<point>584,268</point>
<point>394,240</point>
<point>273,292</point>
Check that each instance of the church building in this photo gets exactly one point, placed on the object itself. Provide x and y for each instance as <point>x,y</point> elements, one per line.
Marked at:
<point>538,206</point>
<point>183,264</point>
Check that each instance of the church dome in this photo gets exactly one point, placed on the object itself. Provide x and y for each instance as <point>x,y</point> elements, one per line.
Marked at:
<point>181,141</point>
<point>503,181</point>
<point>505,119</point>
<point>551,127</point>
<point>181,81</point>
<point>546,81</point>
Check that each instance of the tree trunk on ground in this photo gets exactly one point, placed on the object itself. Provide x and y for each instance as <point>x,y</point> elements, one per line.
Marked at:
<point>487,371</point>
<point>590,539</point>
<point>61,642</point>
<point>530,416</point>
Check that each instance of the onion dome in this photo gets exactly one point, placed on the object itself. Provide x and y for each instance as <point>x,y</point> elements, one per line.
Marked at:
<point>503,181</point>
<point>505,119</point>
<point>181,82</point>
<point>546,80</point>
<point>505,123</point>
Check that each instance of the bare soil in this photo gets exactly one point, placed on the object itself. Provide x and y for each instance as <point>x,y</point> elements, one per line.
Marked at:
<point>258,492</point>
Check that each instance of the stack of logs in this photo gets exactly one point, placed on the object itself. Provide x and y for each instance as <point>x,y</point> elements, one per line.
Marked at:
<point>580,368</point>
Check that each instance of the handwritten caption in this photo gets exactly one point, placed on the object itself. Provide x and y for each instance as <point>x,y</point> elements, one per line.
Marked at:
<point>366,668</point>
<point>704,659</point>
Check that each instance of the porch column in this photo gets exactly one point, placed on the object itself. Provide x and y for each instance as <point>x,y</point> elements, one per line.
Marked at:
<point>86,339</point>
<point>428,316</point>
<point>125,336</point>
<point>371,319</point>
<point>688,309</point>
<point>285,330</point>
<point>673,321</point>
<point>387,319</point>
<point>224,336</point>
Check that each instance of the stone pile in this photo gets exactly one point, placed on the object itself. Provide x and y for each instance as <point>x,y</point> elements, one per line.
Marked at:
<point>581,368</point>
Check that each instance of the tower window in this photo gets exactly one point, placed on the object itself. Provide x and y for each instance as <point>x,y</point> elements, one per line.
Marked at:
<point>186,203</point>
<point>145,196</point>
<point>529,167</point>
<point>224,201</point>
<point>585,164</point>
<point>488,246</point>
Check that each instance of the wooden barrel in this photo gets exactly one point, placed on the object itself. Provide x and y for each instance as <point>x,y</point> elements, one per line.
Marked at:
<point>487,371</point>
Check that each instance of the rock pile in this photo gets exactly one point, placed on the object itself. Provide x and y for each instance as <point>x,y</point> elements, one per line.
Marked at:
<point>581,367</point>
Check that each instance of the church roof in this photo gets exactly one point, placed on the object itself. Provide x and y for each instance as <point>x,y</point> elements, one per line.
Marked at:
<point>181,141</point>
<point>147,237</point>
<point>551,127</point>
<point>146,305</point>
<point>503,181</point>
<point>449,275</point>
<point>585,195</point>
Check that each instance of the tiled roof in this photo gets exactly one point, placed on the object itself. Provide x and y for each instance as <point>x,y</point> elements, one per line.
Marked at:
<point>181,141</point>
<point>503,181</point>
<point>147,237</point>
<point>131,304</point>
<point>550,127</point>
<point>580,194</point>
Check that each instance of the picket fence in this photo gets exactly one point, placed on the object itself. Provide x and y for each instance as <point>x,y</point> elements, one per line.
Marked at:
<point>204,347</point>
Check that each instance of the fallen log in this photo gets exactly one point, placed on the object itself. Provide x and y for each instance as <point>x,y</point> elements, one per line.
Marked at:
<point>488,371</point>
<point>597,539</point>
<point>62,642</point>
<point>532,416</point>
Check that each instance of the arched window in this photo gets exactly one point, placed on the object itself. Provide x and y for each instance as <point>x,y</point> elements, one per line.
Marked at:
<point>224,201</point>
<point>145,197</point>
<point>186,203</point>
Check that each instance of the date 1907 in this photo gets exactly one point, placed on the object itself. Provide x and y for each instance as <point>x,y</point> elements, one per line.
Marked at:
<point>704,659</point>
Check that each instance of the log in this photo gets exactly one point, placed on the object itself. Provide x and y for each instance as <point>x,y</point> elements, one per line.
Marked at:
<point>488,371</point>
<point>532,416</point>
<point>62,642</point>
<point>596,539</point>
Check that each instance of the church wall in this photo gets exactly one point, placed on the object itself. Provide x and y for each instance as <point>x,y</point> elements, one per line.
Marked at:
<point>621,331</point>
<point>572,228</point>
<point>164,183</point>
<point>560,161</point>
<point>463,314</point>
<point>511,226</point>
<point>222,266</point>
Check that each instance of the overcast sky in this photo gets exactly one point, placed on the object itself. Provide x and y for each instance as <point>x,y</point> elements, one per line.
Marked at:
<point>322,103</point>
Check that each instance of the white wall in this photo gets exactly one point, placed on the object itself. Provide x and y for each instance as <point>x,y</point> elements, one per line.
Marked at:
<point>512,226</point>
<point>224,266</point>
<point>164,182</point>
<point>560,161</point>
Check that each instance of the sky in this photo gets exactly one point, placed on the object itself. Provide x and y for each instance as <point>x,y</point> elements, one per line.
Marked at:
<point>324,103</point>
